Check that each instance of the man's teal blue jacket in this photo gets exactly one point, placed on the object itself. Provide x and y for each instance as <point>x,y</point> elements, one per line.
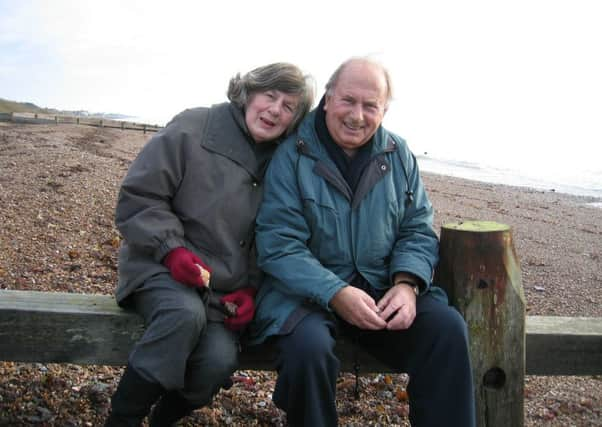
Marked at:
<point>314,233</point>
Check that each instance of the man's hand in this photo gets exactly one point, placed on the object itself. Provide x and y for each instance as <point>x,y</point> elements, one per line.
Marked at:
<point>398,307</point>
<point>186,267</point>
<point>245,308</point>
<point>358,308</point>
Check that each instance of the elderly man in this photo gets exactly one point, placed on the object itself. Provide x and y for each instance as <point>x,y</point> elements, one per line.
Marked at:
<point>345,236</point>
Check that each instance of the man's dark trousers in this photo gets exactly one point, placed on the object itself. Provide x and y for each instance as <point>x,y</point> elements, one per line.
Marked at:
<point>433,351</point>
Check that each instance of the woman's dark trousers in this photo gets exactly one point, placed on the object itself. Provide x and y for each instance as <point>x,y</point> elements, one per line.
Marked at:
<point>181,356</point>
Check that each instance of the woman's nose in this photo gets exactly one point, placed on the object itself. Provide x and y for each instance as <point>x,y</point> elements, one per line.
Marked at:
<point>275,107</point>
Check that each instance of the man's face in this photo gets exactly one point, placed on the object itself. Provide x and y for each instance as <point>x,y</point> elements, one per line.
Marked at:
<point>356,107</point>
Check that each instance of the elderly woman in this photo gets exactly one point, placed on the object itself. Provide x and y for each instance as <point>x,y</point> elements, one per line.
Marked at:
<point>186,210</point>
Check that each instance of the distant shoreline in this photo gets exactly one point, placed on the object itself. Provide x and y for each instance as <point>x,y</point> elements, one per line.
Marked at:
<point>476,172</point>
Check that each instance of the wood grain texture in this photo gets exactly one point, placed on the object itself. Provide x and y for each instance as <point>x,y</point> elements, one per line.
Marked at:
<point>480,271</point>
<point>81,328</point>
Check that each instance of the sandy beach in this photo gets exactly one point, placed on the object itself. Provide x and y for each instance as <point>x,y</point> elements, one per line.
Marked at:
<point>58,186</point>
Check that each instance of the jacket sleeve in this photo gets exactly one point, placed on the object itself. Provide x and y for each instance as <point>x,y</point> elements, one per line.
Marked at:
<point>143,214</point>
<point>416,250</point>
<point>282,233</point>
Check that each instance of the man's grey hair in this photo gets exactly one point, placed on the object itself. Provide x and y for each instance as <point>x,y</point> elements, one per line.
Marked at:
<point>334,78</point>
<point>282,76</point>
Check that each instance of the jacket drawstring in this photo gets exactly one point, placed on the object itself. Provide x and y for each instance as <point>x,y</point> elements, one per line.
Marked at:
<point>356,365</point>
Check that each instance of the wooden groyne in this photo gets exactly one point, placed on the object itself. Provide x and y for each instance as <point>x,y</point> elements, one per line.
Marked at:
<point>40,118</point>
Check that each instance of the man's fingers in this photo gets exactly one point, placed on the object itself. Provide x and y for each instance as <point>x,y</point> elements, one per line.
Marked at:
<point>388,311</point>
<point>357,308</point>
<point>370,319</point>
<point>403,319</point>
<point>383,302</point>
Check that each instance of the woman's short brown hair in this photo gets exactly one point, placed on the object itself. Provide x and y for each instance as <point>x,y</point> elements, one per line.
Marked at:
<point>282,76</point>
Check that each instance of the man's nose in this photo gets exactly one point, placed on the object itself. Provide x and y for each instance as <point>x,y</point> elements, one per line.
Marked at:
<point>357,112</point>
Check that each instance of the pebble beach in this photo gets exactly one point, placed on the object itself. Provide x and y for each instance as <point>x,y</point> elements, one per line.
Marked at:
<point>58,187</point>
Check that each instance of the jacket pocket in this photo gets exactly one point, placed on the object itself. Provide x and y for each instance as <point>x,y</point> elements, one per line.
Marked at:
<point>327,229</point>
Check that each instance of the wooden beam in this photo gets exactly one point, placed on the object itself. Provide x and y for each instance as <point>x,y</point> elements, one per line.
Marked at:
<point>89,329</point>
<point>65,328</point>
<point>52,327</point>
<point>564,345</point>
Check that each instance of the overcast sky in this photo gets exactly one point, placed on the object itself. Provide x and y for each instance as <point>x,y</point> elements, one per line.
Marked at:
<point>468,75</point>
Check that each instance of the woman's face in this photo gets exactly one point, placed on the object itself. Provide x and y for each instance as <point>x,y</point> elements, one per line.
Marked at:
<point>268,114</point>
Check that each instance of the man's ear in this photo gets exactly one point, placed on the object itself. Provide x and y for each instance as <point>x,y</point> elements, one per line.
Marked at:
<point>326,101</point>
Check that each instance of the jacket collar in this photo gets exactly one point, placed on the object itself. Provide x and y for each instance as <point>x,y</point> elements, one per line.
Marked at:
<point>309,145</point>
<point>227,134</point>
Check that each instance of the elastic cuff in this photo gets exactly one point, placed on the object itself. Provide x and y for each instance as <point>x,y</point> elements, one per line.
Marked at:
<point>166,246</point>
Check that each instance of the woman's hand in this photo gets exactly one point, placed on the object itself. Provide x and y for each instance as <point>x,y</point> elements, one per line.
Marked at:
<point>244,301</point>
<point>187,268</point>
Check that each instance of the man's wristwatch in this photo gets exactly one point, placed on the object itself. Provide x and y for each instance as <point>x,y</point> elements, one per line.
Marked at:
<point>410,284</point>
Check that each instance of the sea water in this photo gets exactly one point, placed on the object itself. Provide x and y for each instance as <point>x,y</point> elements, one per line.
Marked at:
<point>584,183</point>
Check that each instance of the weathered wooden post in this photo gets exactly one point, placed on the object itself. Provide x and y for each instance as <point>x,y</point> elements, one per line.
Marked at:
<point>480,271</point>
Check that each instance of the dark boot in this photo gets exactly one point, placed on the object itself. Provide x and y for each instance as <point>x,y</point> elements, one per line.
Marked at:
<point>171,408</point>
<point>132,400</point>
